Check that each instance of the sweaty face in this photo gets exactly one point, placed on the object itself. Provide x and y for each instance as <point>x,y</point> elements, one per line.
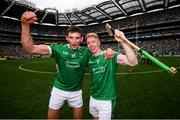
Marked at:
<point>74,39</point>
<point>94,45</point>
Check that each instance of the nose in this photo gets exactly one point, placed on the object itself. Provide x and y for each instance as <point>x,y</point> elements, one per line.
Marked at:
<point>74,39</point>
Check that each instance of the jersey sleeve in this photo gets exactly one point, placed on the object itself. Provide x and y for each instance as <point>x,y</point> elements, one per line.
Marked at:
<point>116,54</point>
<point>54,49</point>
<point>50,51</point>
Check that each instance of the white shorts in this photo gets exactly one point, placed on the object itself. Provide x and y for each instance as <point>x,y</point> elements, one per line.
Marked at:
<point>100,108</point>
<point>58,97</point>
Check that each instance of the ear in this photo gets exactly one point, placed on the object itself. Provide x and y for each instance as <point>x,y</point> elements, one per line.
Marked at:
<point>99,42</point>
<point>66,38</point>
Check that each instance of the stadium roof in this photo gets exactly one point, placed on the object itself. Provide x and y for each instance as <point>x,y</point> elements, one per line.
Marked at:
<point>107,10</point>
<point>65,5</point>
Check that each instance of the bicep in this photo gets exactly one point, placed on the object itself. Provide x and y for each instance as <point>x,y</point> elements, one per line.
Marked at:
<point>122,59</point>
<point>41,49</point>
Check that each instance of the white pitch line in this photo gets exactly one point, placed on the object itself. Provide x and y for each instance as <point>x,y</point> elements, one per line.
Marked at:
<point>125,73</point>
<point>34,71</point>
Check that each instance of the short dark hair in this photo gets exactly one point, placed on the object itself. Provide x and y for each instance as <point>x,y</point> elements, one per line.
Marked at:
<point>74,29</point>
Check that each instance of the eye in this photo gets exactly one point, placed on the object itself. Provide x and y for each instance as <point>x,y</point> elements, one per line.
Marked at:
<point>70,37</point>
<point>93,41</point>
<point>78,37</point>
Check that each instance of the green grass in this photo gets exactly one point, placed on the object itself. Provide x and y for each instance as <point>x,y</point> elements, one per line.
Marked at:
<point>25,94</point>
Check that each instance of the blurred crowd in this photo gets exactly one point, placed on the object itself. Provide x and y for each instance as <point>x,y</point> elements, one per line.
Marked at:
<point>163,47</point>
<point>14,52</point>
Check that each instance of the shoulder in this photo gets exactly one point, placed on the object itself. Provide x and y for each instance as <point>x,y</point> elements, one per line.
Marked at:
<point>55,48</point>
<point>116,53</point>
<point>59,46</point>
<point>83,49</point>
<point>55,45</point>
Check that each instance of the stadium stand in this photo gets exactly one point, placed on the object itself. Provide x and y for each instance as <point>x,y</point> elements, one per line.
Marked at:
<point>152,24</point>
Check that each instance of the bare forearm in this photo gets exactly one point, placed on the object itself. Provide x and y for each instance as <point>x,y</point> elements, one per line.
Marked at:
<point>129,58</point>
<point>130,55</point>
<point>26,38</point>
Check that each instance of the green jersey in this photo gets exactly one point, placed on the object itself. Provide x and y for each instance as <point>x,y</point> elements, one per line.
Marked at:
<point>103,77</point>
<point>71,65</point>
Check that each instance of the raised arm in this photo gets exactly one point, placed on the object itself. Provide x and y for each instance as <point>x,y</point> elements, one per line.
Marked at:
<point>27,19</point>
<point>129,58</point>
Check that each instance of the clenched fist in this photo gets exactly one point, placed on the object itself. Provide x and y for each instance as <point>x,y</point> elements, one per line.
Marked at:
<point>119,35</point>
<point>28,17</point>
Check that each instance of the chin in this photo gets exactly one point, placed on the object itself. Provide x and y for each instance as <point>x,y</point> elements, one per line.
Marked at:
<point>74,48</point>
<point>93,52</point>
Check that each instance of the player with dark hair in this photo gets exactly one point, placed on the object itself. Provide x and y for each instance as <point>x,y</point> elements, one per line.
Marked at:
<point>71,59</point>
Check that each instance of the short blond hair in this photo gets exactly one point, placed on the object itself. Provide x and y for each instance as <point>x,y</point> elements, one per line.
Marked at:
<point>92,35</point>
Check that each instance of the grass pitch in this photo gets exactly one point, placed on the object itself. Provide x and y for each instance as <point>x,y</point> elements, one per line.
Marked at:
<point>153,94</point>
